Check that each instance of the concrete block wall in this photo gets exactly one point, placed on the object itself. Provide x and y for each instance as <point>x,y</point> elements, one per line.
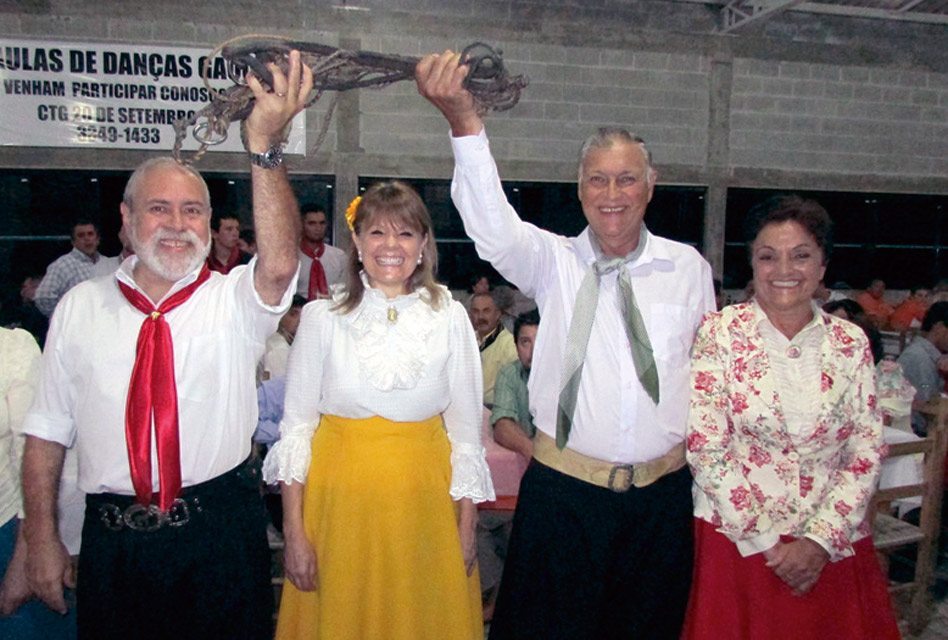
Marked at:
<point>805,102</point>
<point>662,97</point>
<point>832,118</point>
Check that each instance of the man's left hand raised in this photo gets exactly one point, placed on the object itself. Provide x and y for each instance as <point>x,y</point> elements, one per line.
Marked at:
<point>275,213</point>
<point>274,109</point>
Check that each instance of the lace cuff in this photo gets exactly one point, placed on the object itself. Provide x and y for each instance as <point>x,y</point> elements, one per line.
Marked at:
<point>288,460</point>
<point>470,475</point>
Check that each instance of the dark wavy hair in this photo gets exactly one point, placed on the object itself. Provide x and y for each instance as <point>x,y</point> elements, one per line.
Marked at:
<point>809,214</point>
<point>396,201</point>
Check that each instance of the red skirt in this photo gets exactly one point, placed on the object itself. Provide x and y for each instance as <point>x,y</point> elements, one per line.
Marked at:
<point>733,597</point>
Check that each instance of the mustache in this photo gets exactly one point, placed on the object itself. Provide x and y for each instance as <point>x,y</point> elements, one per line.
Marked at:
<point>178,236</point>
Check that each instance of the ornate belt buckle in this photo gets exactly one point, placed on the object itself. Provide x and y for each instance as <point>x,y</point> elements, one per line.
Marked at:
<point>111,517</point>
<point>625,481</point>
<point>178,514</point>
<point>141,518</point>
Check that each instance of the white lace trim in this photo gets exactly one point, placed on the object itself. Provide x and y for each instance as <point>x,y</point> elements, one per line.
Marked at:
<point>470,475</point>
<point>393,355</point>
<point>288,460</point>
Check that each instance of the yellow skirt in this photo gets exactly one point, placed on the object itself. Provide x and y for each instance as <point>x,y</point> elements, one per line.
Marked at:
<point>377,509</point>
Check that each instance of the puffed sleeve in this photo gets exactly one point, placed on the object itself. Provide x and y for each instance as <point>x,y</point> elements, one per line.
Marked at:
<point>470,476</point>
<point>288,460</point>
<point>841,512</point>
<point>738,513</point>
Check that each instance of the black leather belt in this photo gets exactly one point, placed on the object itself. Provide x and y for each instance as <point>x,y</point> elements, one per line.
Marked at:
<point>117,512</point>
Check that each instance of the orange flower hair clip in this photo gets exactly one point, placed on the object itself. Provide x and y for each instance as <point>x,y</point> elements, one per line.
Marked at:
<point>351,212</point>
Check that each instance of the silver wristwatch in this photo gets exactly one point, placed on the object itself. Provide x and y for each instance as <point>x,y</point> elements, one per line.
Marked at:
<point>269,159</point>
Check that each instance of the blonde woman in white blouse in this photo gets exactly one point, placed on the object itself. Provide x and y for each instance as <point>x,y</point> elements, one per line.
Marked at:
<point>380,455</point>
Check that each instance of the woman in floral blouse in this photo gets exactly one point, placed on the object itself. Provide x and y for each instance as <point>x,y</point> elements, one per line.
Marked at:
<point>784,440</point>
<point>380,454</point>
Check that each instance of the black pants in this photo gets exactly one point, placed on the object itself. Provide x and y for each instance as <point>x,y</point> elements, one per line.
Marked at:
<point>588,563</point>
<point>207,579</point>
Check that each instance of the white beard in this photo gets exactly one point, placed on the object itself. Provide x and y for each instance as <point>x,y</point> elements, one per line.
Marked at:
<point>169,267</point>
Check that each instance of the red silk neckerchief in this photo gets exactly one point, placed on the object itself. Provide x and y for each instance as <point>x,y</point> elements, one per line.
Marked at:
<point>152,390</point>
<point>216,265</point>
<point>317,275</point>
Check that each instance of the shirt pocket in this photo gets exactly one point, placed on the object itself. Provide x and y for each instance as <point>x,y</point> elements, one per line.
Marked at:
<point>670,331</point>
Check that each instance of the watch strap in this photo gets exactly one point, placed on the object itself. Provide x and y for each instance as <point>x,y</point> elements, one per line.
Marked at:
<point>269,159</point>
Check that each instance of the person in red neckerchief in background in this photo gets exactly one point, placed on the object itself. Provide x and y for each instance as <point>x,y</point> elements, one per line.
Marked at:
<point>225,254</point>
<point>321,265</point>
<point>149,374</point>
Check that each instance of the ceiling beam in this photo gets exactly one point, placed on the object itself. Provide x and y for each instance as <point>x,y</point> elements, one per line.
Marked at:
<point>911,4</point>
<point>903,13</point>
<point>740,13</point>
<point>869,12</point>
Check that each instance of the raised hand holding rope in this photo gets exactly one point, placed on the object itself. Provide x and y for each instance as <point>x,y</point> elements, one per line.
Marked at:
<point>334,69</point>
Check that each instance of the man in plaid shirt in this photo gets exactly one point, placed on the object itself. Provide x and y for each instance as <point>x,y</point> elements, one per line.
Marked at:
<point>69,270</point>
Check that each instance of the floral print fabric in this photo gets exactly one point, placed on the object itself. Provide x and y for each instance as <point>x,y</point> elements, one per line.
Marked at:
<point>754,480</point>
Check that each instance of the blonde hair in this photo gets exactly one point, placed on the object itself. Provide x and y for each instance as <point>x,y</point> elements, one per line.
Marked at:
<point>396,201</point>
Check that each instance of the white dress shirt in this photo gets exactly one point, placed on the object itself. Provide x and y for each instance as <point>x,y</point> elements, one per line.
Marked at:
<point>615,420</point>
<point>106,265</point>
<point>360,365</point>
<point>334,264</point>
<point>218,337</point>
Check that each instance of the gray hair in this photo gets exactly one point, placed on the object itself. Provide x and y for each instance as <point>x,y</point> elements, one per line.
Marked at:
<point>606,137</point>
<point>131,187</point>
<point>501,296</point>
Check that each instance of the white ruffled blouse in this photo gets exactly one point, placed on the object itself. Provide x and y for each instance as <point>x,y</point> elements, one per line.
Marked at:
<point>361,364</point>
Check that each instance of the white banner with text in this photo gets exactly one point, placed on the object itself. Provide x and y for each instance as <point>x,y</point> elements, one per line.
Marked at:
<point>68,94</point>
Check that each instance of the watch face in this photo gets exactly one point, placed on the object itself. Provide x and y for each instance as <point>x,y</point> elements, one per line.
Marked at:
<point>270,159</point>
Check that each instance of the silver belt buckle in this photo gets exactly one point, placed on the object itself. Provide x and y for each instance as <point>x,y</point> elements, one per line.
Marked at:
<point>111,517</point>
<point>626,478</point>
<point>178,514</point>
<point>144,518</point>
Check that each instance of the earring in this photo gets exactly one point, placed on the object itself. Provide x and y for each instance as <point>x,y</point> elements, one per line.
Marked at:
<point>420,256</point>
<point>360,255</point>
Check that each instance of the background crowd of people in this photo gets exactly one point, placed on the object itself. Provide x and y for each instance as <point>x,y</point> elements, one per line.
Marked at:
<point>694,471</point>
